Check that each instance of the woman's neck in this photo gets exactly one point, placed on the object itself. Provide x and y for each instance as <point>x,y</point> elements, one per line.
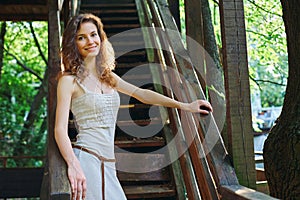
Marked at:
<point>90,65</point>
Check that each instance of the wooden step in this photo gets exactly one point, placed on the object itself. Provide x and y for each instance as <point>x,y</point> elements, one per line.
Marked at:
<point>149,191</point>
<point>138,80</point>
<point>140,122</point>
<point>144,132</point>
<point>120,46</point>
<point>121,26</point>
<point>140,162</point>
<point>120,20</point>
<point>122,68</point>
<point>124,142</point>
<point>129,36</point>
<point>112,12</point>
<point>162,175</point>
<point>132,56</point>
<point>141,113</point>
<point>130,65</point>
<point>107,5</point>
<point>117,2</point>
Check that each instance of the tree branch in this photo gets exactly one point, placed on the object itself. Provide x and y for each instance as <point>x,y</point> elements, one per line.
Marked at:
<point>37,44</point>
<point>23,66</point>
<point>265,10</point>
<point>265,81</point>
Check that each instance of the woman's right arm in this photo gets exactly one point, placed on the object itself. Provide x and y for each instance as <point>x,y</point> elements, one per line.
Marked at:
<point>76,176</point>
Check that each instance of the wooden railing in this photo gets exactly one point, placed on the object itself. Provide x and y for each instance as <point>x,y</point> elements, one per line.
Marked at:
<point>207,171</point>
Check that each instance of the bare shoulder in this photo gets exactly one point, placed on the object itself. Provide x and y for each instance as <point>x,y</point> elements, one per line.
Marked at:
<point>66,82</point>
<point>67,79</point>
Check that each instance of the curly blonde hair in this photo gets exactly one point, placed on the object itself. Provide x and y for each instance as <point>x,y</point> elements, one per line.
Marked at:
<point>73,61</point>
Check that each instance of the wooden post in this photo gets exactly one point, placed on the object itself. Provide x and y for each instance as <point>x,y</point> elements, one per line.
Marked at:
<point>193,20</point>
<point>58,181</point>
<point>235,64</point>
<point>194,30</point>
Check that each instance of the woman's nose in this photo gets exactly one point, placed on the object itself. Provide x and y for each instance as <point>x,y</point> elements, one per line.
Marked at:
<point>90,39</point>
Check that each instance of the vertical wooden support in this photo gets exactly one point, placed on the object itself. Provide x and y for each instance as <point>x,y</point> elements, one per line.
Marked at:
<point>58,182</point>
<point>237,90</point>
<point>194,30</point>
<point>193,20</point>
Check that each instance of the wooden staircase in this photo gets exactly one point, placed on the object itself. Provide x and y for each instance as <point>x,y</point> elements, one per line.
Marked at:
<point>136,176</point>
<point>199,173</point>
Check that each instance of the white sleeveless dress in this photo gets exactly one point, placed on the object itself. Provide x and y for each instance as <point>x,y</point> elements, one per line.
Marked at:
<point>95,120</point>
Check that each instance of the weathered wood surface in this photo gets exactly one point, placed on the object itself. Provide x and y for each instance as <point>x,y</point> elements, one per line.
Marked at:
<point>239,192</point>
<point>218,153</point>
<point>185,168</point>
<point>149,191</point>
<point>237,90</point>
<point>217,158</point>
<point>30,10</point>
<point>58,180</point>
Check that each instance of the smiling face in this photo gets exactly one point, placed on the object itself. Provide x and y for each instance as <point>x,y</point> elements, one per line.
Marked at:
<point>88,40</point>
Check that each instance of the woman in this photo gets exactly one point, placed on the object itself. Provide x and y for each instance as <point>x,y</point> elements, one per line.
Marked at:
<point>90,89</point>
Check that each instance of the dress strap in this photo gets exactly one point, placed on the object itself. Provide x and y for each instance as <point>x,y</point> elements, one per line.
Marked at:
<point>81,85</point>
<point>102,160</point>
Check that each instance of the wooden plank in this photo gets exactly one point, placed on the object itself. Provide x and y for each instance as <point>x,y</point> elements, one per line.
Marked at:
<point>140,162</point>
<point>201,167</point>
<point>154,176</point>
<point>149,191</point>
<point>24,12</point>
<point>152,121</point>
<point>238,92</point>
<point>129,26</point>
<point>148,142</point>
<point>58,180</point>
<point>105,6</point>
<point>23,2</point>
<point>119,20</point>
<point>114,11</point>
<point>238,192</point>
<point>260,174</point>
<point>141,113</point>
<point>225,172</point>
<point>185,161</point>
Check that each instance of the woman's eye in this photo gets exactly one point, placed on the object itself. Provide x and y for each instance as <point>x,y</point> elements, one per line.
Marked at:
<point>80,38</point>
<point>94,34</point>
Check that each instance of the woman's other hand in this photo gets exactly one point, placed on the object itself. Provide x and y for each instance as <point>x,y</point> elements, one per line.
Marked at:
<point>200,106</point>
<point>77,180</point>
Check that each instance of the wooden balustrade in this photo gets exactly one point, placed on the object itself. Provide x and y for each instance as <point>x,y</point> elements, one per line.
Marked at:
<point>209,168</point>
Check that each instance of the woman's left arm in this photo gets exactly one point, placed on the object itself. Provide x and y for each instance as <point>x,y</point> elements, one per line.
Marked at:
<point>151,97</point>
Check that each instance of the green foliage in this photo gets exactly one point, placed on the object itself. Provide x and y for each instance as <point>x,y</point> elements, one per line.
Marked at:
<point>19,87</point>
<point>267,52</point>
<point>266,45</point>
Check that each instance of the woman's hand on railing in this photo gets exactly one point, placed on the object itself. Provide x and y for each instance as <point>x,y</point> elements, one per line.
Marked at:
<point>77,180</point>
<point>200,106</point>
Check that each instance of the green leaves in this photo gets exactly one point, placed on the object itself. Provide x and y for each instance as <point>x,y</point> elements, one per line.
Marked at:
<point>267,52</point>
<point>21,75</point>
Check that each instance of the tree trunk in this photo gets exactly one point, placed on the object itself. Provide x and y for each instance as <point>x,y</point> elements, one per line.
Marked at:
<point>282,147</point>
